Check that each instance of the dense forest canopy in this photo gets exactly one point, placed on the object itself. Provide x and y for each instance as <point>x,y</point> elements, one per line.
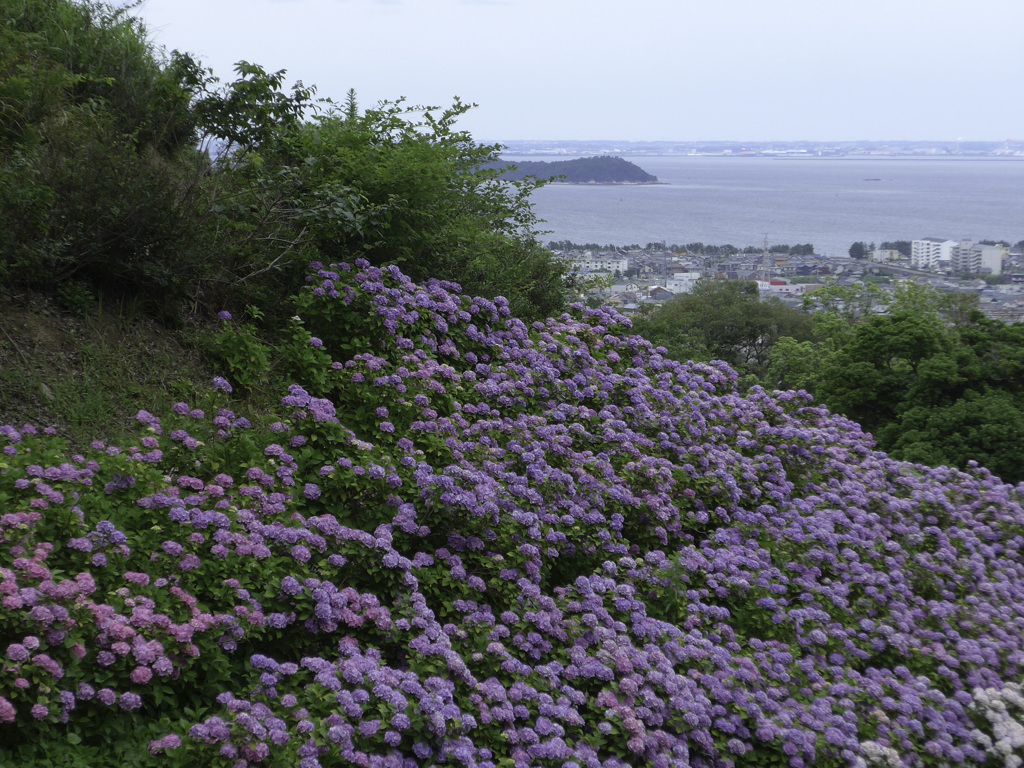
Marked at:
<point>724,320</point>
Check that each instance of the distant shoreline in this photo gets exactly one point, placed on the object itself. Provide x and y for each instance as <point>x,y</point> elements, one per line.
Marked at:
<point>830,204</point>
<point>609,183</point>
<point>931,149</point>
<point>513,156</point>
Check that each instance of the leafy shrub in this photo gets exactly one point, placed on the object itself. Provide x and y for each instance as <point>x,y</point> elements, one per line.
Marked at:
<point>239,349</point>
<point>97,164</point>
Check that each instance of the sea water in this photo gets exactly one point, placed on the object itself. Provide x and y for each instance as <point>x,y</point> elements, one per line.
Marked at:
<point>828,202</point>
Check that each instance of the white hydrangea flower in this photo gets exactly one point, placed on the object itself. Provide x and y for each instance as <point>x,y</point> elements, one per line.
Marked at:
<point>874,754</point>
<point>1003,708</point>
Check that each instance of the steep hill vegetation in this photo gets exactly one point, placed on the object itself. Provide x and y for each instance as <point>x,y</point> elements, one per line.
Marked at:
<point>468,540</point>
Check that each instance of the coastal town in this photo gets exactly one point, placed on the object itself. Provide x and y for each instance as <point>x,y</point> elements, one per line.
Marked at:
<point>1007,149</point>
<point>629,278</point>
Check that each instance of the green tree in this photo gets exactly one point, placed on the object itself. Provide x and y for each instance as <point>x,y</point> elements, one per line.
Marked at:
<point>932,378</point>
<point>858,250</point>
<point>260,205</point>
<point>144,174</point>
<point>426,201</point>
<point>869,378</point>
<point>725,320</point>
<point>986,428</point>
<point>903,246</point>
<point>96,151</point>
<point>251,112</point>
<point>794,365</point>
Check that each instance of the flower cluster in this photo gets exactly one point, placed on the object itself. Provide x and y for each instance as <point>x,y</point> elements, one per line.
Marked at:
<point>487,542</point>
<point>1001,712</point>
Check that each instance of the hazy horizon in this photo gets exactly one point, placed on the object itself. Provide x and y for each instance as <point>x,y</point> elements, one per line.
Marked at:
<point>662,70</point>
<point>757,141</point>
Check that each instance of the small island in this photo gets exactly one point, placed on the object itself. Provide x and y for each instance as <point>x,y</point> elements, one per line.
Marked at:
<point>584,170</point>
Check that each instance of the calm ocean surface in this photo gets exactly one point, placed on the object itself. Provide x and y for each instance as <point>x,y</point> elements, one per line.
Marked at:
<point>828,202</point>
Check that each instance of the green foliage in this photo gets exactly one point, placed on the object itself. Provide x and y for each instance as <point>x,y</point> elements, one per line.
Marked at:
<point>984,428</point>
<point>141,173</point>
<point>903,246</point>
<point>793,364</point>
<point>933,379</point>
<point>249,112</point>
<point>23,235</point>
<point>876,369</point>
<point>94,134</point>
<point>244,356</point>
<point>723,320</point>
<point>402,185</point>
<point>76,297</point>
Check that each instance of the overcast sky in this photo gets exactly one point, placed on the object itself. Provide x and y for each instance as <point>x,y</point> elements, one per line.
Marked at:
<point>642,70</point>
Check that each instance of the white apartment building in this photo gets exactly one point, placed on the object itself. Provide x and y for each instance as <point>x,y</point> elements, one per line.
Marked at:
<point>931,252</point>
<point>682,282</point>
<point>590,263</point>
<point>977,259</point>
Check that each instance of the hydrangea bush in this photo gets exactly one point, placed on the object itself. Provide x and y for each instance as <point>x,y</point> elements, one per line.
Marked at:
<point>472,541</point>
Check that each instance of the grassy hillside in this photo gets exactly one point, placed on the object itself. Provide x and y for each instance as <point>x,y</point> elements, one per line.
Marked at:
<point>87,373</point>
